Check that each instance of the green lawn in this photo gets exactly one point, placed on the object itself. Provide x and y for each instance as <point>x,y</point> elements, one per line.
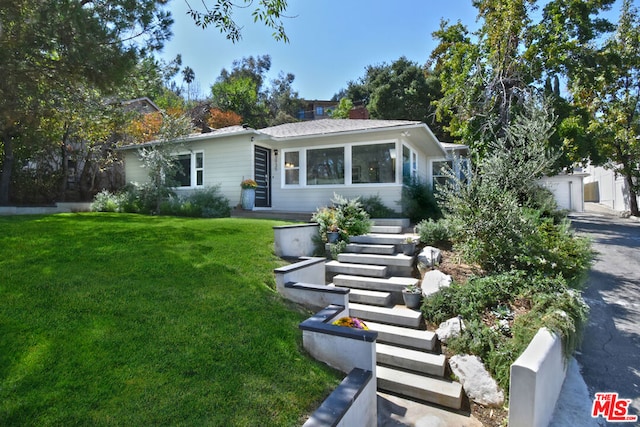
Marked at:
<point>117,319</point>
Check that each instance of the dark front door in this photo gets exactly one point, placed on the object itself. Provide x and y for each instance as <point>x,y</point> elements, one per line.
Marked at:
<point>262,172</point>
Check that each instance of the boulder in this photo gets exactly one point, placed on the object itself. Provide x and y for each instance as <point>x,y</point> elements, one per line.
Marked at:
<point>433,280</point>
<point>476,381</point>
<point>429,257</point>
<point>450,328</point>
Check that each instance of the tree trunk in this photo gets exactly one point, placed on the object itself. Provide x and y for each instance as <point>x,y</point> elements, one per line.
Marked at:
<point>7,168</point>
<point>633,195</point>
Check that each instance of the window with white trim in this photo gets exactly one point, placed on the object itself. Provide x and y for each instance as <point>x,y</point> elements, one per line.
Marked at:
<point>374,163</point>
<point>292,168</point>
<point>409,164</point>
<point>190,170</point>
<point>325,166</point>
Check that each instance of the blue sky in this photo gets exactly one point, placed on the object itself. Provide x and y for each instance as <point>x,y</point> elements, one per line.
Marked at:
<point>331,41</point>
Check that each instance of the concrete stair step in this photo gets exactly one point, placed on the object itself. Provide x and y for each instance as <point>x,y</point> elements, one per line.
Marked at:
<point>397,315</point>
<point>390,284</point>
<point>397,260</point>
<point>370,249</point>
<point>398,222</point>
<point>382,238</point>
<point>412,360</point>
<point>363,296</point>
<point>356,269</point>
<point>386,229</point>
<point>434,390</point>
<point>407,337</point>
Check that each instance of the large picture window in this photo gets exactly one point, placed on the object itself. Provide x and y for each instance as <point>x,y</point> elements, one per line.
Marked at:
<point>373,163</point>
<point>325,166</point>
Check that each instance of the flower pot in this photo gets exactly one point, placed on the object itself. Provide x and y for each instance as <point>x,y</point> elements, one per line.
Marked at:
<point>332,236</point>
<point>409,248</point>
<point>411,300</point>
<point>248,198</point>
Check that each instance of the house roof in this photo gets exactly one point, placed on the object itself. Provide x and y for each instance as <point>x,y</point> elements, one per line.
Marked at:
<point>216,133</point>
<point>326,127</point>
<point>329,126</point>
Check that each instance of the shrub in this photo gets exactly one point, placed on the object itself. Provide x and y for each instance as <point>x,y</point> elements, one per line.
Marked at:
<point>105,201</point>
<point>374,206</point>
<point>418,201</point>
<point>207,203</point>
<point>346,216</point>
<point>434,232</point>
<point>147,199</point>
<point>552,305</point>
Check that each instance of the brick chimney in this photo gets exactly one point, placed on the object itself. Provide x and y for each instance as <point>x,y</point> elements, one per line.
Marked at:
<point>359,112</point>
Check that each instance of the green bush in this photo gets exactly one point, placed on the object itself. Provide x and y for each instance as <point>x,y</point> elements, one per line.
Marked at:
<point>418,201</point>
<point>376,208</point>
<point>552,305</point>
<point>348,217</point>
<point>434,232</point>
<point>147,199</point>
<point>205,203</point>
<point>106,201</point>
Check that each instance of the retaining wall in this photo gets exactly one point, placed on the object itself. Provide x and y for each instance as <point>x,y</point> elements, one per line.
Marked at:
<point>536,380</point>
<point>295,241</point>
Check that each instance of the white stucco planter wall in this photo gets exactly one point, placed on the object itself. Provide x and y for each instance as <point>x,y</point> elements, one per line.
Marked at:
<point>304,283</point>
<point>536,380</point>
<point>295,240</point>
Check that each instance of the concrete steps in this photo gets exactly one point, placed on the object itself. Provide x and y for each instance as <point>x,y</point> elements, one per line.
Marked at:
<point>435,390</point>
<point>370,249</point>
<point>419,339</point>
<point>411,360</point>
<point>363,296</point>
<point>356,269</point>
<point>408,359</point>
<point>396,260</point>
<point>386,229</point>
<point>381,239</point>
<point>397,315</point>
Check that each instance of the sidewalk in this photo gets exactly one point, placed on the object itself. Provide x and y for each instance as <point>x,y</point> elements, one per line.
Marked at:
<point>573,407</point>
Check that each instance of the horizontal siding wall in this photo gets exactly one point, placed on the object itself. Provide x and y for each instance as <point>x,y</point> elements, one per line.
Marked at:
<point>308,199</point>
<point>227,161</point>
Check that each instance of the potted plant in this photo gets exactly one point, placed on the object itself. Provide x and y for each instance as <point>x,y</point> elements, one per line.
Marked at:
<point>333,233</point>
<point>412,295</point>
<point>408,246</point>
<point>248,194</point>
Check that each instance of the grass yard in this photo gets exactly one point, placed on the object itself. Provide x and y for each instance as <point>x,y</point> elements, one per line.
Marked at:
<point>117,319</point>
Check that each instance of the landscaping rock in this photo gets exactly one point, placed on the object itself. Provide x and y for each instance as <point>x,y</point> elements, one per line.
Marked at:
<point>429,257</point>
<point>476,381</point>
<point>433,280</point>
<point>450,328</point>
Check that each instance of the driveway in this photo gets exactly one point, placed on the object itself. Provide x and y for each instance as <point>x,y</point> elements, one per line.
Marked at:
<point>610,354</point>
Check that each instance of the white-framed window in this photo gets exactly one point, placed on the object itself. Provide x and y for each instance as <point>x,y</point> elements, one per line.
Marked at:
<point>292,168</point>
<point>373,163</point>
<point>409,164</point>
<point>325,166</point>
<point>460,167</point>
<point>190,169</point>
<point>351,164</point>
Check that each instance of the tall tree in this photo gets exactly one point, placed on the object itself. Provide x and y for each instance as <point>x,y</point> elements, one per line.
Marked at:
<point>611,92</point>
<point>49,48</point>
<point>219,13</point>
<point>400,90</point>
<point>484,82</point>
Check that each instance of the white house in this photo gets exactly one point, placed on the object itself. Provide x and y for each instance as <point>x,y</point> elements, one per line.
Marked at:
<point>299,166</point>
